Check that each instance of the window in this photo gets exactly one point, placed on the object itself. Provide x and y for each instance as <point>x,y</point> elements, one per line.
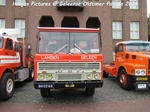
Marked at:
<point>116,4</point>
<point>117,30</point>
<point>20,24</point>
<point>2,2</point>
<point>2,23</point>
<point>1,42</point>
<point>134,30</point>
<point>134,4</point>
<point>120,47</point>
<point>20,2</point>
<point>9,44</point>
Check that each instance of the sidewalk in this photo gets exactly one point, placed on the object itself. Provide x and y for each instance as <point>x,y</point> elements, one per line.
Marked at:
<point>120,106</point>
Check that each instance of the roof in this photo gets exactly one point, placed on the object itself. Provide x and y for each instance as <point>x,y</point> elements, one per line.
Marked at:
<point>10,33</point>
<point>67,29</point>
<point>132,41</point>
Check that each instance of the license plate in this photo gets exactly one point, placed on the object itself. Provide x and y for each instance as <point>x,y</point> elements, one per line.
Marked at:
<point>142,86</point>
<point>45,86</point>
<point>141,78</point>
<point>70,85</point>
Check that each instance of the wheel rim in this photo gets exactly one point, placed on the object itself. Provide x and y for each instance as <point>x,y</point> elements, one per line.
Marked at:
<point>123,79</point>
<point>9,86</point>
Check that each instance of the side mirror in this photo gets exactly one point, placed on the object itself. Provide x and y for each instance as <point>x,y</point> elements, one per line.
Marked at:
<point>17,47</point>
<point>29,49</point>
<point>116,49</point>
<point>29,46</point>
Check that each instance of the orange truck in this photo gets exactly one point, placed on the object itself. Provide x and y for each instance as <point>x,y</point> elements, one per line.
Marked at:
<point>131,65</point>
<point>68,58</point>
<point>16,64</point>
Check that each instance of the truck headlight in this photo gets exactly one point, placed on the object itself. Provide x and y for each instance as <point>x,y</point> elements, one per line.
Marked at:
<point>89,76</point>
<point>40,76</point>
<point>143,72</point>
<point>49,76</point>
<point>140,72</point>
<point>97,76</point>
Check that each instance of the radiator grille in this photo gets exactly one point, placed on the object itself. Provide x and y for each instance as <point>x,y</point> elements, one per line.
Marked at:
<point>66,66</point>
<point>69,77</point>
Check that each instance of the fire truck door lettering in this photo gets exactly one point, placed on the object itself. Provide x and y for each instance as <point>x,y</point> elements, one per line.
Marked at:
<point>88,57</point>
<point>120,59</point>
<point>49,57</point>
<point>10,59</point>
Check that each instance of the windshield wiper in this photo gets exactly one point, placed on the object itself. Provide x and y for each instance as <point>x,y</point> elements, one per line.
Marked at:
<point>80,49</point>
<point>66,45</point>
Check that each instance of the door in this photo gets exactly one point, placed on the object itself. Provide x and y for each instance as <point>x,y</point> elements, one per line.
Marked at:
<point>119,57</point>
<point>10,54</point>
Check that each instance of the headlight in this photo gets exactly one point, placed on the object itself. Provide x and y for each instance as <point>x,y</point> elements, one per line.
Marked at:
<point>97,76</point>
<point>140,72</point>
<point>49,76</point>
<point>40,76</point>
<point>89,76</point>
<point>143,72</point>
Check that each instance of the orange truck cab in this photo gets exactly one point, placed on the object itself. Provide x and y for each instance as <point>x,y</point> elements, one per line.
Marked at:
<point>68,58</point>
<point>15,65</point>
<point>131,65</point>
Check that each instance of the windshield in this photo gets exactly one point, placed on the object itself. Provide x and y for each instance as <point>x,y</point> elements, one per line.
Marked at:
<point>68,42</point>
<point>138,47</point>
<point>1,42</point>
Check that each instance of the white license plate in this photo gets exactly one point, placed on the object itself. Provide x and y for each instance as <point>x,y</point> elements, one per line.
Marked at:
<point>141,86</point>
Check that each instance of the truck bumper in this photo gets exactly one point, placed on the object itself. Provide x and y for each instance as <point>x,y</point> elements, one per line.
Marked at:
<point>142,83</point>
<point>56,85</point>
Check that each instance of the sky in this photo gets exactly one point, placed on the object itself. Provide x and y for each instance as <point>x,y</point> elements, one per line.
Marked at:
<point>148,7</point>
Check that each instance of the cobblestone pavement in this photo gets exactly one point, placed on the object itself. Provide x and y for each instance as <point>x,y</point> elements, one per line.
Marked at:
<point>109,98</point>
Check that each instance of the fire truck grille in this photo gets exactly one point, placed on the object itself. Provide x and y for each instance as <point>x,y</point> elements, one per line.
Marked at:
<point>69,76</point>
<point>67,66</point>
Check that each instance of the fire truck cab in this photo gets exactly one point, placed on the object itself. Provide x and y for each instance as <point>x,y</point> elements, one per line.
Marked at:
<point>131,65</point>
<point>68,58</point>
<point>16,64</point>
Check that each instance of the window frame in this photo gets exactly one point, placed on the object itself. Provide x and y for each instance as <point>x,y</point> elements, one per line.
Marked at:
<point>20,3</point>
<point>2,2</point>
<point>2,20</point>
<point>134,30</point>
<point>21,23</point>
<point>114,4</point>
<point>116,30</point>
<point>8,41</point>
<point>133,5</point>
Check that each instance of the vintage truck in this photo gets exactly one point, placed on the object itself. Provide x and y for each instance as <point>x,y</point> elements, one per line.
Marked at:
<point>68,58</point>
<point>131,65</point>
<point>16,63</point>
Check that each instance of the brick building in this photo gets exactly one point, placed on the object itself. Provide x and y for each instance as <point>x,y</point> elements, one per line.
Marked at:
<point>117,19</point>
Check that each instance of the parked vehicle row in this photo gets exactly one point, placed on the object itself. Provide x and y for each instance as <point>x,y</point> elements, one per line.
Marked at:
<point>71,58</point>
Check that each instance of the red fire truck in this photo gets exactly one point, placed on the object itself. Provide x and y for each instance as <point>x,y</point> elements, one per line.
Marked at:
<point>16,64</point>
<point>68,58</point>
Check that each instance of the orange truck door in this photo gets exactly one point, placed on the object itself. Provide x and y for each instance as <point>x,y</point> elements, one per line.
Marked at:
<point>119,57</point>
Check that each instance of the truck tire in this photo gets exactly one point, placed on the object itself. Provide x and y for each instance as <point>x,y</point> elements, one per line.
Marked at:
<point>90,91</point>
<point>31,74</point>
<point>7,85</point>
<point>125,80</point>
<point>105,74</point>
<point>45,92</point>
